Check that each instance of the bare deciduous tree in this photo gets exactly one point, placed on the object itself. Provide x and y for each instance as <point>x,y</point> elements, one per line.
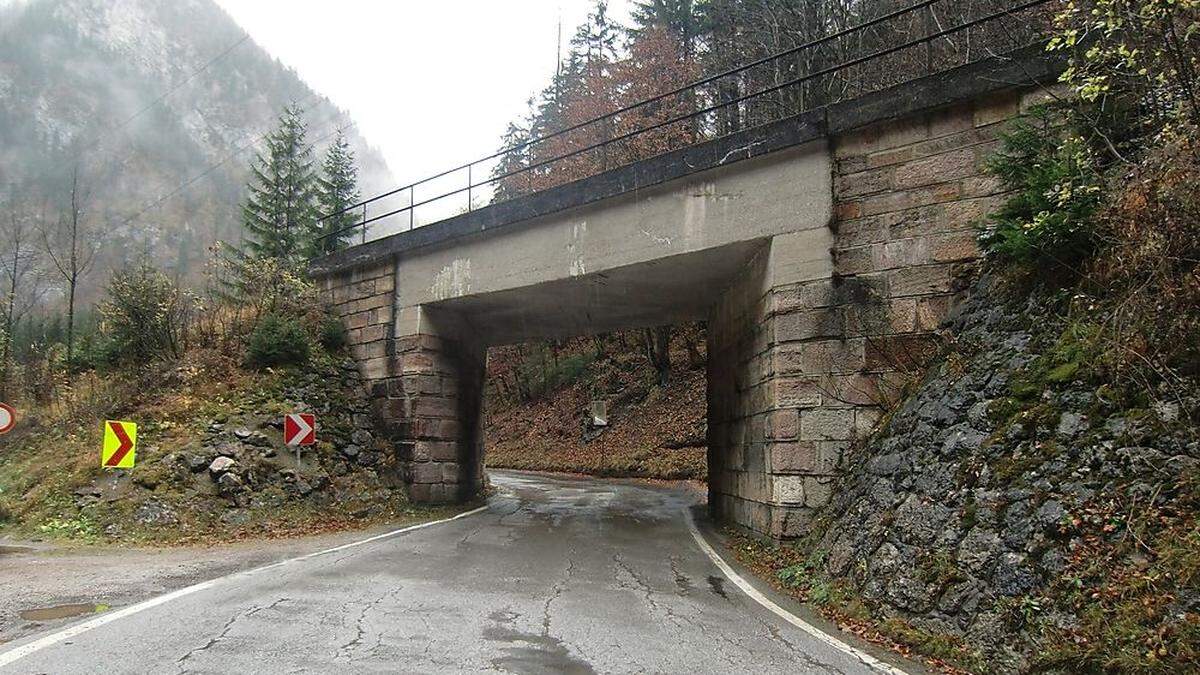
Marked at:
<point>657,344</point>
<point>20,275</point>
<point>71,249</point>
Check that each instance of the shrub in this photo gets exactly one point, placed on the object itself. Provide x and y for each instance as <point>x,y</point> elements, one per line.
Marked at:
<point>277,341</point>
<point>332,334</point>
<point>1046,223</point>
<point>144,317</point>
<point>541,372</point>
<point>1136,58</point>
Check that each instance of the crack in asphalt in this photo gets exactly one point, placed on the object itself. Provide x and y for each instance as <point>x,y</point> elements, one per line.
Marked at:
<point>471,533</point>
<point>225,631</point>
<point>556,592</point>
<point>809,659</point>
<point>679,621</point>
<point>343,651</point>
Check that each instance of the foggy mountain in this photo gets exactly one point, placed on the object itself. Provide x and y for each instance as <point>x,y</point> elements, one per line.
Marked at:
<point>159,104</point>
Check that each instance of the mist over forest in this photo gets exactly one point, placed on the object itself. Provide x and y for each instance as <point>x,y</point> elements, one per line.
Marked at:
<point>154,109</point>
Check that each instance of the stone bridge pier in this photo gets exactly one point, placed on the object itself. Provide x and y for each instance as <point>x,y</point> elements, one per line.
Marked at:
<point>823,251</point>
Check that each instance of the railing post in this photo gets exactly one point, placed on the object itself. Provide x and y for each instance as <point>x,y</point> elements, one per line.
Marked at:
<point>364,224</point>
<point>411,200</point>
<point>469,187</point>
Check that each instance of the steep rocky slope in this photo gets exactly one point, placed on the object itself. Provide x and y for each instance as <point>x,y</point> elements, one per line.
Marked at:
<point>1018,511</point>
<point>211,462</point>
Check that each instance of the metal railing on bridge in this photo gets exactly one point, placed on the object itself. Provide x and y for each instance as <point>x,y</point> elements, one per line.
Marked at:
<point>878,52</point>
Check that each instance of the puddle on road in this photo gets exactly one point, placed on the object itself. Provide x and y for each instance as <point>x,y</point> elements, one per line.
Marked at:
<point>544,654</point>
<point>717,585</point>
<point>15,549</point>
<point>62,611</point>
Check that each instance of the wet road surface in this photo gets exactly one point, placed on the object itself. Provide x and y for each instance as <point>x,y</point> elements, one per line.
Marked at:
<point>557,576</point>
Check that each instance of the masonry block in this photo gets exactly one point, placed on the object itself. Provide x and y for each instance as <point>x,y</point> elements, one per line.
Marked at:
<point>817,491</point>
<point>790,522</point>
<point>827,424</point>
<point>784,424</point>
<point>807,457</point>
<point>808,324</point>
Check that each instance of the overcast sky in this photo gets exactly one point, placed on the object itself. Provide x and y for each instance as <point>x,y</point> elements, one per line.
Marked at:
<point>431,84</point>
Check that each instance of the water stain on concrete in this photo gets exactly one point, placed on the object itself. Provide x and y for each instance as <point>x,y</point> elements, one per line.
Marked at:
<point>535,654</point>
<point>717,585</point>
<point>62,611</point>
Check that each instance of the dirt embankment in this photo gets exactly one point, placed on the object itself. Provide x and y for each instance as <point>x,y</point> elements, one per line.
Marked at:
<point>539,403</point>
<point>211,466</point>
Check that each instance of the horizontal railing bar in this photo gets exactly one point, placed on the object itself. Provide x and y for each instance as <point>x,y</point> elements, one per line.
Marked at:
<point>681,118</point>
<point>659,97</point>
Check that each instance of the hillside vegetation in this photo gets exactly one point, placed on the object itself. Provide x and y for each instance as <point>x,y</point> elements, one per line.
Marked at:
<point>211,461</point>
<point>157,106</point>
<point>540,395</point>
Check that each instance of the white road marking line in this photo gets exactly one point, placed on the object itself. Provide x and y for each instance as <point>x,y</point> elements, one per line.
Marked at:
<point>20,652</point>
<point>782,613</point>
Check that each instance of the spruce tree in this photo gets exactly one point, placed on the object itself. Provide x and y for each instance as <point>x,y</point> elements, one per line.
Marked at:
<point>512,162</point>
<point>279,214</point>
<point>683,19</point>
<point>596,39</point>
<point>337,190</point>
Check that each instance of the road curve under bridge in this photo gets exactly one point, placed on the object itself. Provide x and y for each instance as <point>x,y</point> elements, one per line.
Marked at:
<point>556,575</point>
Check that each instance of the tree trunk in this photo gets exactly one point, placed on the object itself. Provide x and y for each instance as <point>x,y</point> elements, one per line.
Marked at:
<point>5,364</point>
<point>658,352</point>
<point>70,326</point>
<point>695,359</point>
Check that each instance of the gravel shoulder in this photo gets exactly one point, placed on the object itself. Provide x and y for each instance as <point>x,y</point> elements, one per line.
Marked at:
<point>40,578</point>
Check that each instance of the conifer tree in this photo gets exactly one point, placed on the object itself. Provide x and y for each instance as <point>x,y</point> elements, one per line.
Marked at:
<point>511,162</point>
<point>596,39</point>
<point>337,190</point>
<point>280,213</point>
<point>682,19</point>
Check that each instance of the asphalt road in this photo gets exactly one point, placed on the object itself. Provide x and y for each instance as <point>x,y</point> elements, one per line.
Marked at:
<point>557,576</point>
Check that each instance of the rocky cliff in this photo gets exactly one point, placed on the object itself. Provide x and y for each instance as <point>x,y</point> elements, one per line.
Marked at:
<point>1018,512</point>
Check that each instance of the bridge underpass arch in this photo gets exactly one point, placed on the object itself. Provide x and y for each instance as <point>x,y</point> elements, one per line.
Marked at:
<point>813,248</point>
<point>680,289</point>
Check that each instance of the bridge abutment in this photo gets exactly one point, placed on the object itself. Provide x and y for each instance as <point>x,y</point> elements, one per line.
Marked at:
<point>432,405</point>
<point>777,426</point>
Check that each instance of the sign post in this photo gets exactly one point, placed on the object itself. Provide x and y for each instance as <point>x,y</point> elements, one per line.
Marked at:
<point>120,445</point>
<point>8,418</point>
<point>299,429</point>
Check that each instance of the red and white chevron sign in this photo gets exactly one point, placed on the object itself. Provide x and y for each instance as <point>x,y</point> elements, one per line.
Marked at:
<point>299,429</point>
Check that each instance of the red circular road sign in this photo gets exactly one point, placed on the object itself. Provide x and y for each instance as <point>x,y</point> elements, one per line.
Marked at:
<point>8,418</point>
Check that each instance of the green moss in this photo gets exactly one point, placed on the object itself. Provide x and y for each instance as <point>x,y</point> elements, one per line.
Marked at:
<point>1064,372</point>
<point>937,645</point>
<point>1026,388</point>
<point>938,568</point>
<point>970,513</point>
<point>1001,410</point>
